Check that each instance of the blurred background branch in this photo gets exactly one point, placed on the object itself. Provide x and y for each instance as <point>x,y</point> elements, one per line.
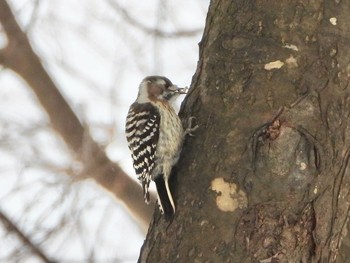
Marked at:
<point>20,57</point>
<point>11,227</point>
<point>149,30</point>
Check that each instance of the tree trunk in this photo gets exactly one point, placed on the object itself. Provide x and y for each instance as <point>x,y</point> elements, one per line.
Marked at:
<point>266,178</point>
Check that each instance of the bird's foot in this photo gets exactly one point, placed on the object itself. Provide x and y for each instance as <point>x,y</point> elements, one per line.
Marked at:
<point>189,130</point>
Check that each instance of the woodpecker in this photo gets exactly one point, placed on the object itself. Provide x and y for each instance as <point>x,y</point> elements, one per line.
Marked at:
<point>155,135</point>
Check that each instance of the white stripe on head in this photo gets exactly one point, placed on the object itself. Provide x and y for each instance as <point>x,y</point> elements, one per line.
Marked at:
<point>142,97</point>
<point>161,82</point>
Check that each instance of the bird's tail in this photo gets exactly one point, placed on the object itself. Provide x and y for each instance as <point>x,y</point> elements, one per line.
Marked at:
<point>165,198</point>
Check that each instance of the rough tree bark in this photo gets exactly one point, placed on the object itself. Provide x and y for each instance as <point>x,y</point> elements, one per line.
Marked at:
<point>266,177</point>
<point>19,56</point>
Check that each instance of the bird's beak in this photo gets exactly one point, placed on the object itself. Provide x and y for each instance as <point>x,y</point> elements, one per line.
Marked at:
<point>176,89</point>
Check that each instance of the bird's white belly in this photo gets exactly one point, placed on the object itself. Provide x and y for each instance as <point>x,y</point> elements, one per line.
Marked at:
<point>169,143</point>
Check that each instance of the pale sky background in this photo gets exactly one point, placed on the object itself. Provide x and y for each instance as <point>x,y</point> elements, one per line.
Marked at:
<point>97,59</point>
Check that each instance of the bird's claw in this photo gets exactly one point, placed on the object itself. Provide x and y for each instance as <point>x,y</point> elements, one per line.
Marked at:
<point>189,128</point>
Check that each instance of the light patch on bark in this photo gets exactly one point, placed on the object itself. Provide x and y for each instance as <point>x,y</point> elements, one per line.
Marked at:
<point>292,62</point>
<point>333,21</point>
<point>302,166</point>
<point>229,197</point>
<point>273,65</point>
<point>292,47</point>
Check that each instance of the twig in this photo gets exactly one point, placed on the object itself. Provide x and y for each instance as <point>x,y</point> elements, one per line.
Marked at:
<point>12,227</point>
<point>152,31</point>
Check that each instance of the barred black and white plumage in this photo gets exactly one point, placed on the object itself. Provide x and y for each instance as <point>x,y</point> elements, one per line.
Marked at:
<point>155,134</point>
<point>142,133</point>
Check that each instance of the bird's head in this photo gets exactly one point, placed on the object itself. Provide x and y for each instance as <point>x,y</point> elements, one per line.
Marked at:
<point>158,88</point>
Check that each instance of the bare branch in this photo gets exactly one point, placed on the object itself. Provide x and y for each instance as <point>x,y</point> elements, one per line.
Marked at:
<point>34,15</point>
<point>12,227</point>
<point>12,30</point>
<point>2,56</point>
<point>152,31</point>
<point>20,57</point>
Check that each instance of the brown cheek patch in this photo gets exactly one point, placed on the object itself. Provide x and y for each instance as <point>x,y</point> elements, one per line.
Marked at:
<point>154,90</point>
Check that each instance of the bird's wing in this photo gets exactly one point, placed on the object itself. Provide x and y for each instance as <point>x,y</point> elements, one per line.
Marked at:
<point>142,133</point>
